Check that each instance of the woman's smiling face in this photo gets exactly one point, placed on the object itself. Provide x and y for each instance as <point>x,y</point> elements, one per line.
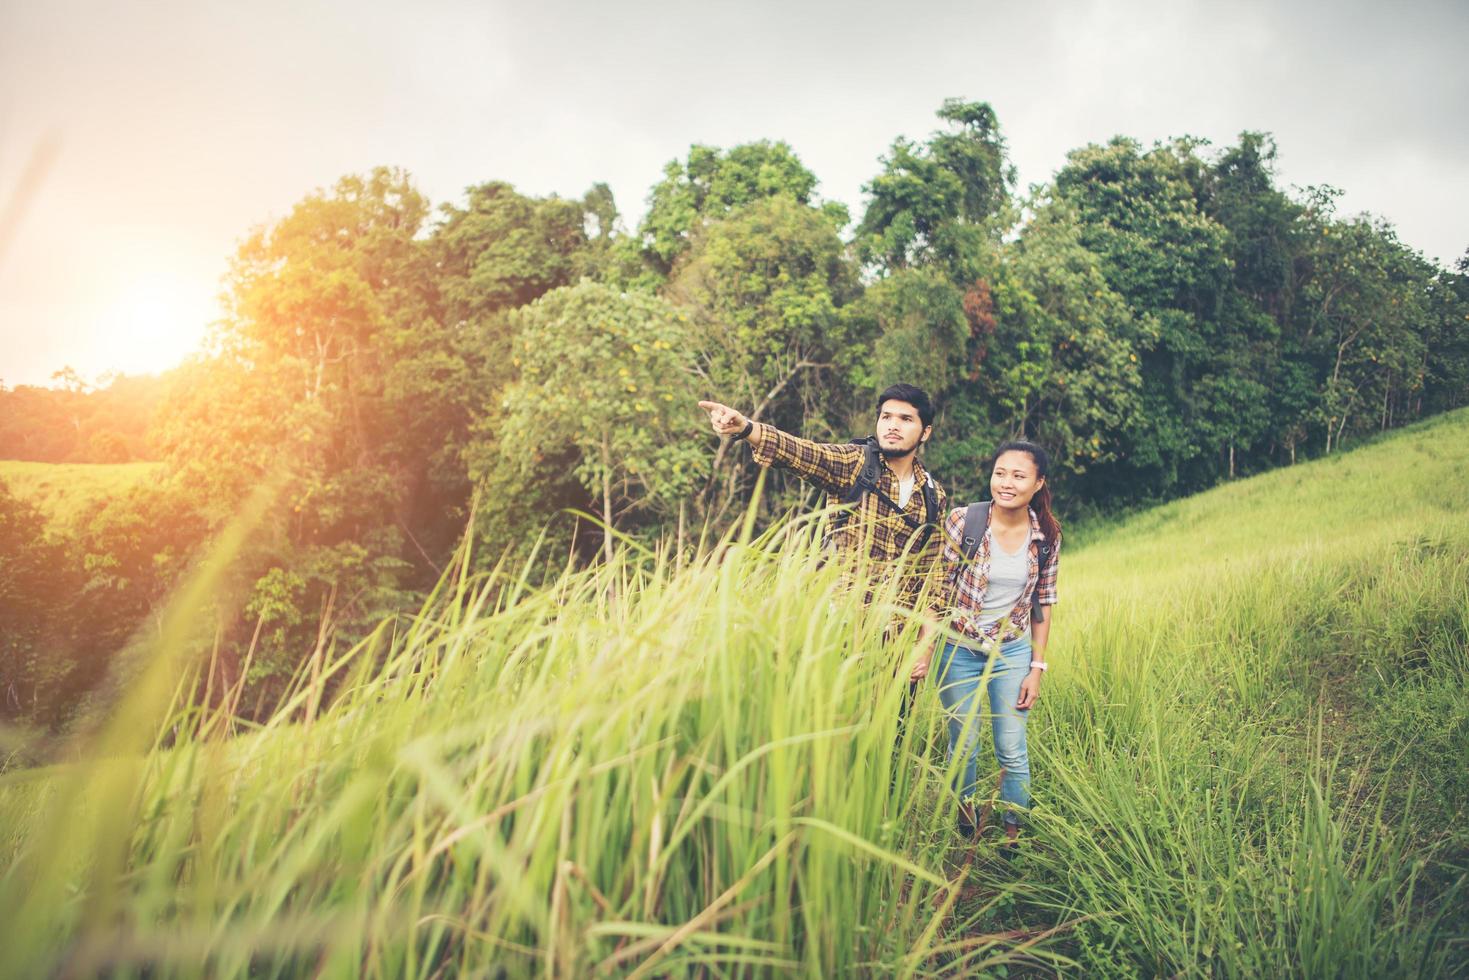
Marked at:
<point>1014,481</point>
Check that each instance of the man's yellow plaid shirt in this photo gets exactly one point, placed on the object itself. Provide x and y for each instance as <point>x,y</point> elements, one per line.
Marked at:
<point>874,531</point>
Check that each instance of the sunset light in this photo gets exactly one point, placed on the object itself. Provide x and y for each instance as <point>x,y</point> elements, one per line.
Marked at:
<point>765,490</point>
<point>153,323</point>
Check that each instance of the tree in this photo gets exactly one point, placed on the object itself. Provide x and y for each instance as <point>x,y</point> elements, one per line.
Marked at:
<point>609,374</point>
<point>938,204</point>
<point>1265,231</point>
<point>765,290</point>
<point>1258,399</point>
<point>108,424</point>
<point>921,332</point>
<point>1139,214</point>
<point>1445,368</point>
<point>711,184</point>
<point>129,552</point>
<point>1364,312</point>
<point>35,584</point>
<point>499,252</point>
<point>1051,358</point>
<point>69,380</point>
<point>318,382</point>
<point>974,151</point>
<point>503,249</point>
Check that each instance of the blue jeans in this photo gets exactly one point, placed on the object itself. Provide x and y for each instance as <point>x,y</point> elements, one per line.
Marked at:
<point>960,674</point>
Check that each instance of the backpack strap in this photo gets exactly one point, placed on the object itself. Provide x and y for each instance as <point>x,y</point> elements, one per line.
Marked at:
<point>868,475</point>
<point>971,532</point>
<point>930,512</point>
<point>1043,555</point>
<point>866,483</point>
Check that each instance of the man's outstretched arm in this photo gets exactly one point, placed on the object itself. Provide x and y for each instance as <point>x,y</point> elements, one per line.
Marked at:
<point>832,467</point>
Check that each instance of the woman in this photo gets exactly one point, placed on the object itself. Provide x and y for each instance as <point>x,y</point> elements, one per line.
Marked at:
<point>1000,601</point>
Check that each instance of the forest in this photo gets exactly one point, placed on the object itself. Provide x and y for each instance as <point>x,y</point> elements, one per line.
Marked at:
<point>395,375</point>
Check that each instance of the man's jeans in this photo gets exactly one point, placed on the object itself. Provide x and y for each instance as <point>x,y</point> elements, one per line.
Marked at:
<point>960,674</point>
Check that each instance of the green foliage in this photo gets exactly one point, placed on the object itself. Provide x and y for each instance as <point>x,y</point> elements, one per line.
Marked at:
<point>522,501</point>
<point>1361,322</point>
<point>711,184</point>
<point>129,552</point>
<point>1139,212</point>
<point>921,332</point>
<point>1445,369</point>
<point>82,587</point>
<point>79,424</point>
<point>974,151</point>
<point>334,377</point>
<point>1051,360</point>
<point>1265,234</point>
<point>32,679</point>
<point>766,291</point>
<point>604,372</point>
<point>935,204</point>
<point>503,249</point>
<point>1161,319</point>
<point>275,605</point>
<point>1248,316</point>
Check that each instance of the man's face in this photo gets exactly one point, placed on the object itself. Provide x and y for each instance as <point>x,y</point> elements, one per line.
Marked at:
<point>900,431</point>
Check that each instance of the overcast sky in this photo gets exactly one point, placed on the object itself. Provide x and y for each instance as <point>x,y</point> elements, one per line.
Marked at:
<point>181,124</point>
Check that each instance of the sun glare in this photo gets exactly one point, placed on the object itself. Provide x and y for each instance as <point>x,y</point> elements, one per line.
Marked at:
<point>152,325</point>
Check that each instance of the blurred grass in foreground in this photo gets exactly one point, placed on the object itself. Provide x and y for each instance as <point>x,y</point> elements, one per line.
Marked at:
<point>1250,759</point>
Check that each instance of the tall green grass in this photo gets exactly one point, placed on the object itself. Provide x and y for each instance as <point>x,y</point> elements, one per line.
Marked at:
<point>1246,761</point>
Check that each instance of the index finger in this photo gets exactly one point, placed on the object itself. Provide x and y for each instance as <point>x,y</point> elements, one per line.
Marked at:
<point>709,406</point>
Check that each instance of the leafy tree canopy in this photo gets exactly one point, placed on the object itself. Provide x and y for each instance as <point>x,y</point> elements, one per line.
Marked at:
<point>608,373</point>
<point>711,183</point>
<point>765,290</point>
<point>939,203</point>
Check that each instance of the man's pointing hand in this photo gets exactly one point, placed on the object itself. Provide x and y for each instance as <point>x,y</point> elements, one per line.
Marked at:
<point>725,420</point>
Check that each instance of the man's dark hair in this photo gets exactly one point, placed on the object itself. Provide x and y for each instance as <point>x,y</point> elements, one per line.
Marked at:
<point>913,395</point>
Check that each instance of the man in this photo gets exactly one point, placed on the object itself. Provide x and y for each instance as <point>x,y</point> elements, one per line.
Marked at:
<point>891,523</point>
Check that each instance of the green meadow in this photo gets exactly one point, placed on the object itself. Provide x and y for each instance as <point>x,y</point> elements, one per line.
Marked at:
<point>62,490</point>
<point>1251,758</point>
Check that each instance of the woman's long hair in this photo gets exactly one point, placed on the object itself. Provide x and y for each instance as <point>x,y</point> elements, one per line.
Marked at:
<point>1041,502</point>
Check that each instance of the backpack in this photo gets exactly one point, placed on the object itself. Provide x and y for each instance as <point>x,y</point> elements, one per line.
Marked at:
<point>867,483</point>
<point>977,516</point>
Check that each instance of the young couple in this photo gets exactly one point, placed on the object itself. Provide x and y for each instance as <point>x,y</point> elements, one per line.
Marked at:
<point>996,564</point>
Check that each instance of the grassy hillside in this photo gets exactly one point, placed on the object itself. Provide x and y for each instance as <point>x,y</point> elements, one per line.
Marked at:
<point>1250,759</point>
<point>62,489</point>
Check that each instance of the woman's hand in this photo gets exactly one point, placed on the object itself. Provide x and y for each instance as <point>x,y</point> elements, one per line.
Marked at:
<point>1030,689</point>
<point>920,667</point>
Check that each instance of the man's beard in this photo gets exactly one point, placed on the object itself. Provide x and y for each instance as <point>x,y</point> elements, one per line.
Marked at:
<point>898,453</point>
